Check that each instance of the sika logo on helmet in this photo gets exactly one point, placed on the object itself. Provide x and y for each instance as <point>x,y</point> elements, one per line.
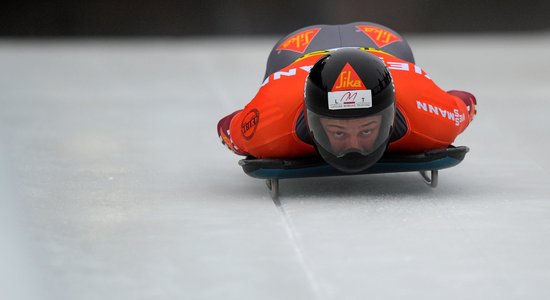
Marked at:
<point>379,36</point>
<point>300,41</point>
<point>348,80</point>
<point>349,92</point>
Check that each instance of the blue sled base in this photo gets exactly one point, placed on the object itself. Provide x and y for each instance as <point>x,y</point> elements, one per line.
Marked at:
<point>389,163</point>
<point>274,169</point>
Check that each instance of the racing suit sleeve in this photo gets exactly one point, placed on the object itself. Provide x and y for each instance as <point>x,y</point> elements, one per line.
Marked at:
<point>433,117</point>
<point>225,134</point>
<point>468,99</point>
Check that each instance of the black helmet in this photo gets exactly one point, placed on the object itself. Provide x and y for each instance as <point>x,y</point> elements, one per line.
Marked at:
<point>350,107</point>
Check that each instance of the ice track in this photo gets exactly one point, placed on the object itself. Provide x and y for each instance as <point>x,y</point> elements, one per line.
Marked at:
<point>114,184</point>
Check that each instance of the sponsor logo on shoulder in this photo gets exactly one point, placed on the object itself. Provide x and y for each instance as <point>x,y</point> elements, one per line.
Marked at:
<point>379,36</point>
<point>250,124</point>
<point>300,41</point>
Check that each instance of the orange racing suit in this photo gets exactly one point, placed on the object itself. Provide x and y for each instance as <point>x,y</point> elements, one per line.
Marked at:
<point>272,124</point>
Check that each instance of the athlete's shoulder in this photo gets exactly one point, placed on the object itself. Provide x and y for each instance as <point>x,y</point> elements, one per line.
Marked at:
<point>296,71</point>
<point>398,67</point>
<point>373,35</point>
<point>321,36</point>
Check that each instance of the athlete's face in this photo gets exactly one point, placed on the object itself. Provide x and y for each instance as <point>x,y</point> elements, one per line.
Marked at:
<point>353,134</point>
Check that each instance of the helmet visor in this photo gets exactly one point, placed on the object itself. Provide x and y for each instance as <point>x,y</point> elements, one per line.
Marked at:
<point>341,137</point>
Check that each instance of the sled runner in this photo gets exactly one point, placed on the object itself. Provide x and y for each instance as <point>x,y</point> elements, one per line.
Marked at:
<point>427,164</point>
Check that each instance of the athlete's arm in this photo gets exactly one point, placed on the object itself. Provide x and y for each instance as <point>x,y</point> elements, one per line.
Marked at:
<point>225,134</point>
<point>432,117</point>
<point>468,99</point>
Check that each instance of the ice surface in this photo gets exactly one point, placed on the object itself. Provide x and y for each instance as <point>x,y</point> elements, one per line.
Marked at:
<point>117,186</point>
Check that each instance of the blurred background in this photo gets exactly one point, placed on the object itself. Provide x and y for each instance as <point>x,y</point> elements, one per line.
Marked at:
<point>107,117</point>
<point>65,18</point>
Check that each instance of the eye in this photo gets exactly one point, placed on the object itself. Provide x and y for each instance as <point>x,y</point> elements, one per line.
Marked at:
<point>338,134</point>
<point>366,132</point>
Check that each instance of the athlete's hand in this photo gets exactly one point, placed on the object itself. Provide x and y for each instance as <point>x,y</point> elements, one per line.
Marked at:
<point>468,99</point>
<point>225,135</point>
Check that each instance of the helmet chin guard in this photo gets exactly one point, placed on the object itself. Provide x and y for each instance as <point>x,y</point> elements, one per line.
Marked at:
<point>353,162</point>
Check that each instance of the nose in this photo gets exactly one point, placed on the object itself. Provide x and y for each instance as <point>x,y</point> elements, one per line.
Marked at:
<point>353,142</point>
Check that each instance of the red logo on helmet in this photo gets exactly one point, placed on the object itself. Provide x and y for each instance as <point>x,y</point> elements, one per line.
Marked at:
<point>300,41</point>
<point>379,36</point>
<point>348,80</point>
